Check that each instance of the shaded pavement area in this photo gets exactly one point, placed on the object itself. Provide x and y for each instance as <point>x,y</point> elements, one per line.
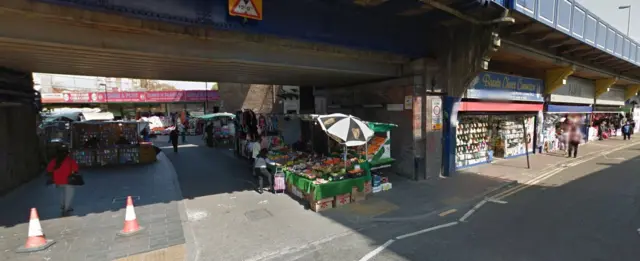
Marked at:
<point>230,221</point>
<point>90,232</point>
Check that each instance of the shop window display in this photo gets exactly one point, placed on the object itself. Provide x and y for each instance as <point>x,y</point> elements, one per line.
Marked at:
<point>510,135</point>
<point>473,135</point>
<point>479,138</point>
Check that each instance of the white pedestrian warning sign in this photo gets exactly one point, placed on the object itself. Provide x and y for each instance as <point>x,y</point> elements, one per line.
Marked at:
<point>251,9</point>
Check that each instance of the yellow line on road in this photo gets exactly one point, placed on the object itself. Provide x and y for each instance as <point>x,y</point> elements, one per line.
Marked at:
<point>450,211</point>
<point>548,174</point>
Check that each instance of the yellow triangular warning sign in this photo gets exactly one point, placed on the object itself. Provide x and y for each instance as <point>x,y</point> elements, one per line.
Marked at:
<point>251,9</point>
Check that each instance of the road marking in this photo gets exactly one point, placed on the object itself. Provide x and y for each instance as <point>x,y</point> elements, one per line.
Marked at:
<point>473,210</point>
<point>493,200</point>
<point>450,211</point>
<point>555,171</point>
<point>427,230</point>
<point>377,250</point>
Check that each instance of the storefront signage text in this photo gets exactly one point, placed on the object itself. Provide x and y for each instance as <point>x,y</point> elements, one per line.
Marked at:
<point>496,86</point>
<point>139,97</point>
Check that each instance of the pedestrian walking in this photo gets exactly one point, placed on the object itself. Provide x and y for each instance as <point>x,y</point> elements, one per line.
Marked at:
<point>626,131</point>
<point>60,170</point>
<point>575,137</point>
<point>260,170</point>
<point>173,139</point>
<point>183,132</point>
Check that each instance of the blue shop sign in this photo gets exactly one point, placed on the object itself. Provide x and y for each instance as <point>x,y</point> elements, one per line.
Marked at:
<point>497,86</point>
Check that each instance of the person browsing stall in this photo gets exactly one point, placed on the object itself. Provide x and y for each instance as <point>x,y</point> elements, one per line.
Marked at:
<point>260,170</point>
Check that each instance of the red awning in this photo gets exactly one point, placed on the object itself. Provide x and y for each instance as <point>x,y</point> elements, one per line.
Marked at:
<point>499,106</point>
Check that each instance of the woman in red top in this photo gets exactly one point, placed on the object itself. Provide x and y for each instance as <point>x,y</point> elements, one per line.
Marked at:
<point>61,167</point>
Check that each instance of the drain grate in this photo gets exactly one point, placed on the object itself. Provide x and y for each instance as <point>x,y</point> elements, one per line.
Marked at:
<point>258,214</point>
<point>124,199</point>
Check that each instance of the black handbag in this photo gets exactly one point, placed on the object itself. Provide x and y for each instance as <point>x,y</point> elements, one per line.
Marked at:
<point>76,180</point>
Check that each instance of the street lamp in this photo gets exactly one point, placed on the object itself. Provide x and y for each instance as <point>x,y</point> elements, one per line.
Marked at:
<point>628,7</point>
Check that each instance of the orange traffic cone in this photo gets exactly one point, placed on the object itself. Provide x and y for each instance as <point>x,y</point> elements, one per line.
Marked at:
<point>36,240</point>
<point>130,220</point>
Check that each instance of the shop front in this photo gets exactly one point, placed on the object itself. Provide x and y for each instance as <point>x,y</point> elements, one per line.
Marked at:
<point>569,105</point>
<point>555,122</point>
<point>608,112</point>
<point>496,119</point>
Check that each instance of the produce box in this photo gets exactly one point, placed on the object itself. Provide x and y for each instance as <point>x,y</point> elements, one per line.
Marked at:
<point>357,196</point>
<point>367,187</point>
<point>293,190</point>
<point>321,205</point>
<point>341,200</point>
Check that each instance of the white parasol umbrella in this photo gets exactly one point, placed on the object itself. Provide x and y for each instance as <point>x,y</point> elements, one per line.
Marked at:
<point>346,129</point>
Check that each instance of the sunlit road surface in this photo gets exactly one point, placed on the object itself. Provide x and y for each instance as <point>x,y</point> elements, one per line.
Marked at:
<point>585,212</point>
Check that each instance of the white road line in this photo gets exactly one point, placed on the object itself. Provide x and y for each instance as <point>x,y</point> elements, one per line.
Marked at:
<point>473,210</point>
<point>493,200</point>
<point>377,250</point>
<point>427,230</point>
<point>548,175</point>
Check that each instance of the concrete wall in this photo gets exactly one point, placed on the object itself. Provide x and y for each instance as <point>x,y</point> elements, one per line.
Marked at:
<point>19,154</point>
<point>261,98</point>
<point>351,99</point>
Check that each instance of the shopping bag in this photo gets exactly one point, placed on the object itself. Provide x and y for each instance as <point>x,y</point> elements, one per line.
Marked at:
<point>279,182</point>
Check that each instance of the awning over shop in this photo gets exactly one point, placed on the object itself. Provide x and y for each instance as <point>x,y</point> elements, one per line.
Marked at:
<point>217,115</point>
<point>568,109</point>
<point>98,116</point>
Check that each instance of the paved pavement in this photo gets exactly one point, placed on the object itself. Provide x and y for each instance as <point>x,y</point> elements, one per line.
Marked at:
<point>230,221</point>
<point>222,218</point>
<point>90,233</point>
<point>586,209</point>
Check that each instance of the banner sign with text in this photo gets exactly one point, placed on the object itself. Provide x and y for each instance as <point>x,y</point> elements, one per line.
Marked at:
<point>497,86</point>
<point>133,97</point>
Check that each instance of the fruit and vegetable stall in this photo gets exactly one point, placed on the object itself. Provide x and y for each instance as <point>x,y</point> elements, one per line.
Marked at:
<point>340,178</point>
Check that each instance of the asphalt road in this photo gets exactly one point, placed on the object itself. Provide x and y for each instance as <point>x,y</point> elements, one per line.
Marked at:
<point>587,211</point>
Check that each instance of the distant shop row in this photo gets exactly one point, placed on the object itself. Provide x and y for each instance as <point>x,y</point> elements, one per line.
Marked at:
<point>503,116</point>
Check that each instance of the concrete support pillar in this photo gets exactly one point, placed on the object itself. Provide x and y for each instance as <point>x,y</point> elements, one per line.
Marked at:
<point>467,53</point>
<point>20,157</point>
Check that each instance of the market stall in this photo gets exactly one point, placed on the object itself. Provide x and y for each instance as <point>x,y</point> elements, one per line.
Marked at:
<point>249,126</point>
<point>328,181</point>
<point>378,149</point>
<point>109,143</point>
<point>221,127</point>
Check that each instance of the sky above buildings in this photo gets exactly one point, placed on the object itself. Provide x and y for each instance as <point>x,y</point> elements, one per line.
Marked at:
<point>608,11</point>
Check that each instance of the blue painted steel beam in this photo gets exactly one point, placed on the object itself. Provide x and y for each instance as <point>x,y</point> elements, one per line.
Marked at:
<point>573,19</point>
<point>337,22</point>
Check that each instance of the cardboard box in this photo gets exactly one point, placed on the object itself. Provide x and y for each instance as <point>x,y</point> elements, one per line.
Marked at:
<point>386,186</point>
<point>321,205</point>
<point>341,200</point>
<point>367,187</point>
<point>357,196</point>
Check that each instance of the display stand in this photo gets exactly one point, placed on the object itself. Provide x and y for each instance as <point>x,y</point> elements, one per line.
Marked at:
<point>109,143</point>
<point>378,151</point>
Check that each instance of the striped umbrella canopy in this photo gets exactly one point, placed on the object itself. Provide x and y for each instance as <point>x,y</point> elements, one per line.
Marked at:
<point>345,129</point>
